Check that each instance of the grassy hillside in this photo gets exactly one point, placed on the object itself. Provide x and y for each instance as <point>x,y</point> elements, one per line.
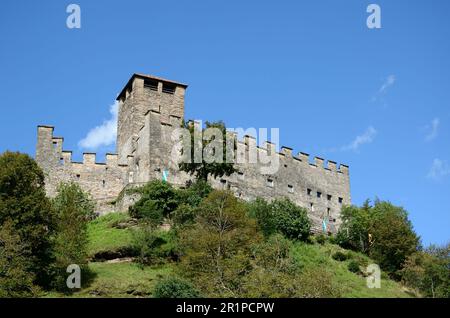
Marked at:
<point>121,277</point>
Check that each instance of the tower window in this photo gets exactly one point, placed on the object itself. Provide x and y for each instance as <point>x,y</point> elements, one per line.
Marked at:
<point>151,84</point>
<point>311,205</point>
<point>103,183</point>
<point>269,183</point>
<point>319,194</point>
<point>329,197</point>
<point>308,191</point>
<point>168,88</point>
<point>240,175</point>
<point>328,211</point>
<point>340,200</point>
<point>78,176</point>
<point>290,188</point>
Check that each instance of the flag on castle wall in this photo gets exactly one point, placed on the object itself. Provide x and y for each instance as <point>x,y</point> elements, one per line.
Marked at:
<point>165,174</point>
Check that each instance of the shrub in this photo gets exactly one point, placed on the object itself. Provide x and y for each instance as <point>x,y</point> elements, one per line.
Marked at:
<point>73,209</point>
<point>183,215</point>
<point>146,245</point>
<point>174,287</point>
<point>291,220</point>
<point>353,267</point>
<point>340,256</point>
<point>24,204</point>
<point>261,210</point>
<point>15,278</point>
<point>163,200</point>
<point>321,239</point>
<point>194,193</point>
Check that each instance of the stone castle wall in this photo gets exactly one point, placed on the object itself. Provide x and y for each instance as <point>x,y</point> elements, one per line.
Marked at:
<point>149,111</point>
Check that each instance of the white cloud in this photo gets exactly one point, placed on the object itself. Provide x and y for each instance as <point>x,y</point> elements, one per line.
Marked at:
<point>432,130</point>
<point>379,96</point>
<point>390,80</point>
<point>365,138</point>
<point>439,169</point>
<point>103,135</point>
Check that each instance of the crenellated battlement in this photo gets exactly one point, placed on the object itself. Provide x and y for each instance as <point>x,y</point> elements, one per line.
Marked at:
<point>150,109</point>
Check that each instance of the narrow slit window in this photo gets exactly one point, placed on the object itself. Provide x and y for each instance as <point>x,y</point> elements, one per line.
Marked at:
<point>311,206</point>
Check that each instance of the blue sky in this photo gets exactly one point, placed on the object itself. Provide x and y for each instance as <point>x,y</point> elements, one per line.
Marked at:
<point>377,100</point>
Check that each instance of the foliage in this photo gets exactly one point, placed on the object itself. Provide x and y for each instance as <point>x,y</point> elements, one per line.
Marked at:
<point>382,231</point>
<point>24,205</point>
<point>147,245</point>
<point>321,238</point>
<point>73,209</point>
<point>428,272</point>
<point>216,146</point>
<point>353,266</point>
<point>194,193</point>
<point>158,199</point>
<point>217,247</point>
<point>281,215</point>
<point>261,210</point>
<point>340,256</point>
<point>291,220</point>
<point>15,278</point>
<point>175,287</point>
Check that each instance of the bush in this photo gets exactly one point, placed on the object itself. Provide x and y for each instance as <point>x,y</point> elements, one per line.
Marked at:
<point>73,209</point>
<point>24,205</point>
<point>152,246</point>
<point>174,287</point>
<point>261,210</point>
<point>157,198</point>
<point>340,256</point>
<point>321,239</point>
<point>183,215</point>
<point>194,193</point>
<point>291,220</point>
<point>353,267</point>
<point>15,278</point>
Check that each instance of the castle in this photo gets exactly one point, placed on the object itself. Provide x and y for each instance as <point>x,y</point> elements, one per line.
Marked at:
<point>150,108</point>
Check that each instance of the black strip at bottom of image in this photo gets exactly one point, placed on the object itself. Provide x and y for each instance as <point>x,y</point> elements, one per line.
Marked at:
<point>211,307</point>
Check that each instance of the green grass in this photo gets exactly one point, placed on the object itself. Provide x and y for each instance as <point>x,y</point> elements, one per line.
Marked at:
<point>103,236</point>
<point>129,280</point>
<point>351,284</point>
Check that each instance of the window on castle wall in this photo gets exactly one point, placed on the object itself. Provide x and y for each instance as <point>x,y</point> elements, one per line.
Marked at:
<point>319,194</point>
<point>290,188</point>
<point>311,206</point>
<point>55,144</point>
<point>78,176</point>
<point>328,212</point>
<point>151,84</point>
<point>340,200</point>
<point>103,183</point>
<point>308,191</point>
<point>329,197</point>
<point>269,183</point>
<point>61,161</point>
<point>168,88</point>
<point>240,175</point>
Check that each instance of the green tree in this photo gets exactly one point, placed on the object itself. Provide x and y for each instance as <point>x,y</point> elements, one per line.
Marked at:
<point>428,272</point>
<point>203,169</point>
<point>73,209</point>
<point>24,204</point>
<point>217,247</point>
<point>16,280</point>
<point>290,219</point>
<point>158,199</point>
<point>393,237</point>
<point>382,231</point>
<point>262,211</point>
<point>175,287</point>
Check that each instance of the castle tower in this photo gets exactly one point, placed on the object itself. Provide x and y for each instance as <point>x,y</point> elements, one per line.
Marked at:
<point>144,93</point>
